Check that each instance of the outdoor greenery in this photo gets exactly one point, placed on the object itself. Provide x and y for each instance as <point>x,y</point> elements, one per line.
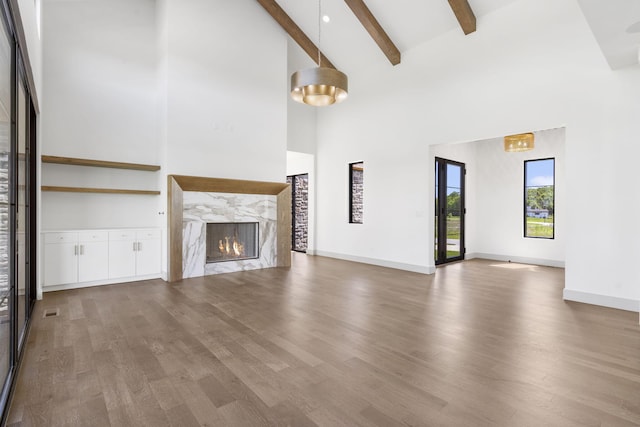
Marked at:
<point>540,198</point>
<point>453,203</point>
<point>453,227</point>
<point>540,227</point>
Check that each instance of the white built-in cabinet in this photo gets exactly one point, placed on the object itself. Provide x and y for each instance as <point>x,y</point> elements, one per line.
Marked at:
<point>134,253</point>
<point>74,259</point>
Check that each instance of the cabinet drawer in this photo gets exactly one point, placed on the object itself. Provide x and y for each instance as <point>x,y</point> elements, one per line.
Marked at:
<point>62,237</point>
<point>153,233</point>
<point>117,235</point>
<point>93,236</point>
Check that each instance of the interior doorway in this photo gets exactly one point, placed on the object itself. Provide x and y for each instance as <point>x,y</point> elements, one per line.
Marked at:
<point>449,211</point>
<point>299,211</point>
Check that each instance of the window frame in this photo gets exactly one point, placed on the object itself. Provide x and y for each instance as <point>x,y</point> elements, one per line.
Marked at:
<point>351,204</point>
<point>524,207</point>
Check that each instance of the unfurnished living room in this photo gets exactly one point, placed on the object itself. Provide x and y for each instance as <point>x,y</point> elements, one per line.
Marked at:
<point>319,213</point>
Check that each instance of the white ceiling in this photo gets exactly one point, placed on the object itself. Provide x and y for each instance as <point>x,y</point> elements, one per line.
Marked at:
<point>410,22</point>
<point>407,22</point>
<point>609,21</point>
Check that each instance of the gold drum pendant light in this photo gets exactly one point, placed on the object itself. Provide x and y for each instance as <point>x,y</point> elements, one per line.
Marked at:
<point>519,142</point>
<point>319,86</point>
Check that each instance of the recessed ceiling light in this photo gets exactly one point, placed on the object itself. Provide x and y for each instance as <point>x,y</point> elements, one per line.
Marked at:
<point>326,19</point>
<point>634,28</point>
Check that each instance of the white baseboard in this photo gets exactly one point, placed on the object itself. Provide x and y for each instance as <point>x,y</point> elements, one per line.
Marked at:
<point>603,300</point>
<point>67,286</point>
<point>521,260</point>
<point>380,262</point>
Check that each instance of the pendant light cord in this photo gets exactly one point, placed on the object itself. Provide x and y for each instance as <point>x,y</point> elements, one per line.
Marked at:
<point>319,31</point>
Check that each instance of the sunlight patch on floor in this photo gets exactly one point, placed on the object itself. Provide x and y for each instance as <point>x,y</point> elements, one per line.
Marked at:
<point>515,266</point>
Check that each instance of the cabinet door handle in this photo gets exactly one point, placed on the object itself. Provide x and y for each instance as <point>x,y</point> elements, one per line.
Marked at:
<point>139,246</point>
<point>134,246</point>
<point>75,249</point>
<point>81,249</point>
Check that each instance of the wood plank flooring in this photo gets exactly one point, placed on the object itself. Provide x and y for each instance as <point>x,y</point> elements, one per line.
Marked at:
<point>332,343</point>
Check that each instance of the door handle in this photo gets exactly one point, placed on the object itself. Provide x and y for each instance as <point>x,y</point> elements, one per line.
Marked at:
<point>134,247</point>
<point>139,246</point>
<point>75,249</point>
<point>81,249</point>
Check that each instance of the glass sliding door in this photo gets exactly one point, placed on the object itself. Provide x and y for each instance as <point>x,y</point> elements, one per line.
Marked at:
<point>18,250</point>
<point>6,217</point>
<point>21,244</point>
<point>449,211</point>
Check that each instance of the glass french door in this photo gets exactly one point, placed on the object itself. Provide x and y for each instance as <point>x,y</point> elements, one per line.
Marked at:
<point>449,211</point>
<point>299,211</point>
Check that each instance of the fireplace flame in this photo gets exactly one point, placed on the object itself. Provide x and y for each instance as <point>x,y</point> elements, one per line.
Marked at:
<point>231,247</point>
<point>238,248</point>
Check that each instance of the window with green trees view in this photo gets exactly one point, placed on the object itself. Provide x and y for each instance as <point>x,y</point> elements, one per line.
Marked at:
<point>539,195</point>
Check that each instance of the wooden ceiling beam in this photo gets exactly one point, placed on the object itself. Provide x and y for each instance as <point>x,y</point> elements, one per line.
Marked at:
<point>464,14</point>
<point>375,30</point>
<point>287,24</point>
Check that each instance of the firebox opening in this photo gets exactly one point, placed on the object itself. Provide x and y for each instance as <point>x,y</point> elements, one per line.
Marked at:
<point>232,241</point>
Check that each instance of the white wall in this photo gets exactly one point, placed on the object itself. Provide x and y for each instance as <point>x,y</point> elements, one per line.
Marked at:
<point>531,65</point>
<point>100,101</point>
<point>601,158</point>
<point>226,91</point>
<point>500,192</point>
<point>30,14</point>
<point>171,82</point>
<point>298,164</point>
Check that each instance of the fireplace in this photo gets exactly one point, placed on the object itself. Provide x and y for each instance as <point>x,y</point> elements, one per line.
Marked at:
<point>195,201</point>
<point>231,241</point>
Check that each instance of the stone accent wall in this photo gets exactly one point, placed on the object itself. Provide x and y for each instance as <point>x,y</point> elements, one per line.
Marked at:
<point>301,212</point>
<point>357,193</point>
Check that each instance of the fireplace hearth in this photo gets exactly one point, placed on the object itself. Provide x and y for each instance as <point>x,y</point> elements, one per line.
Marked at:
<point>231,241</point>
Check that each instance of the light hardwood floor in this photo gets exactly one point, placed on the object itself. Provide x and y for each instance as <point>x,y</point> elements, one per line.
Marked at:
<point>332,343</point>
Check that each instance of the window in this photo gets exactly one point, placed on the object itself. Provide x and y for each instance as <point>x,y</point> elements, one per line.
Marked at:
<point>539,197</point>
<point>356,190</point>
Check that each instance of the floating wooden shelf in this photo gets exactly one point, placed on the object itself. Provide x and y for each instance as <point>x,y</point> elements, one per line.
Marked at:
<point>98,190</point>
<point>98,163</point>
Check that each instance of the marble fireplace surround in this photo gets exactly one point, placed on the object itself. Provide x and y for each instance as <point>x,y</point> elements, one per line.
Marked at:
<point>177,184</point>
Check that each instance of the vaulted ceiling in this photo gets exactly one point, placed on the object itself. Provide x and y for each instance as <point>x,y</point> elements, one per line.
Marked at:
<point>362,32</point>
<point>346,40</point>
<point>616,26</point>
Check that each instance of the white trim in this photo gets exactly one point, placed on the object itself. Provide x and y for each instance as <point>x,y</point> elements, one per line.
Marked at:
<point>522,260</point>
<point>603,300</point>
<point>67,286</point>
<point>382,263</point>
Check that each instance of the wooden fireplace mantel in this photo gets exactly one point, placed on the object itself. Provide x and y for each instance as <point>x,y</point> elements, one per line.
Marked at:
<point>177,184</point>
